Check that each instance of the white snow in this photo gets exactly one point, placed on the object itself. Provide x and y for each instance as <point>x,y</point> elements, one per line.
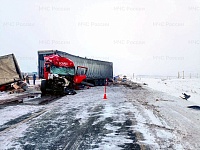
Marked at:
<point>149,138</point>
<point>153,118</point>
<point>7,138</point>
<point>12,112</point>
<point>5,95</point>
<point>117,106</point>
<point>175,87</point>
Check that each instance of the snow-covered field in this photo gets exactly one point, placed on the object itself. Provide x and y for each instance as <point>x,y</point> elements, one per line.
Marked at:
<point>175,87</point>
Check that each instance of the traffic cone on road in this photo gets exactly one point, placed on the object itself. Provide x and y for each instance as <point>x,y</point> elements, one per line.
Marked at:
<point>104,96</point>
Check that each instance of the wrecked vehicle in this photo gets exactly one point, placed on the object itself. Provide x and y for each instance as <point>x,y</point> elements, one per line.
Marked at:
<point>97,73</point>
<point>61,71</point>
<point>60,76</point>
<point>9,71</point>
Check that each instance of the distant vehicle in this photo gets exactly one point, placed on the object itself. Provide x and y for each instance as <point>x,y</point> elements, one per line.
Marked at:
<point>60,73</point>
<point>124,79</point>
<point>9,71</point>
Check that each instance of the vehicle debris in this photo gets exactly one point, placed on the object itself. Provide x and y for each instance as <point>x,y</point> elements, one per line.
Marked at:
<point>185,96</point>
<point>10,75</point>
<point>10,71</point>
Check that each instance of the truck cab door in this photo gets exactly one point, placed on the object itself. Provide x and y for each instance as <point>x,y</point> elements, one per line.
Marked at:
<point>80,74</point>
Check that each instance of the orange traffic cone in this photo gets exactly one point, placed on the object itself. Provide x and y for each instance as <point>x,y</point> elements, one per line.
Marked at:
<point>104,96</point>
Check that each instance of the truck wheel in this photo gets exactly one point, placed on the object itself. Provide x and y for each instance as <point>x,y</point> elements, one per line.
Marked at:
<point>43,87</point>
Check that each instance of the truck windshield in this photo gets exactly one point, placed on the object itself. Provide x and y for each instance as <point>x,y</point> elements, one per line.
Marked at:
<point>62,70</point>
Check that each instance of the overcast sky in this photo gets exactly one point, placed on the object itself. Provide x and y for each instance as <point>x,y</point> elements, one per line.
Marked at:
<point>143,37</point>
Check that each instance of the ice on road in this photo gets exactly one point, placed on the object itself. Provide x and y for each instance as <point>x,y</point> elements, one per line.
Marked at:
<point>128,119</point>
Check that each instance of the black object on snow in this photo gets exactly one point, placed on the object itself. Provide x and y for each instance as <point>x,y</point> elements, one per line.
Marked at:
<point>185,96</point>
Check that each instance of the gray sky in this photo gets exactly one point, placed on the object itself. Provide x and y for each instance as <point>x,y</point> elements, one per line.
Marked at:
<point>142,37</point>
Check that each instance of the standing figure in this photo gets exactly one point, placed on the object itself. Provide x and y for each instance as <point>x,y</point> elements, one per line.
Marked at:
<point>34,78</point>
<point>23,78</point>
<point>27,79</point>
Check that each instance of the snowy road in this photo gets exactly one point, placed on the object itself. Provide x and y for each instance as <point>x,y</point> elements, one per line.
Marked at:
<point>128,119</point>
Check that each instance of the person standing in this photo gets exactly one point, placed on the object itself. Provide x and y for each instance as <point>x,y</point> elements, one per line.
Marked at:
<point>27,79</point>
<point>34,78</point>
<point>23,78</point>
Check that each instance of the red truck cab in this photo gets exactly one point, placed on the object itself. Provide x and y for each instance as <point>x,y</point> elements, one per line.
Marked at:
<point>59,73</point>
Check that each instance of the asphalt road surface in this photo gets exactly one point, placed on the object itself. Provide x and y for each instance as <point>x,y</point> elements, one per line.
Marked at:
<point>125,120</point>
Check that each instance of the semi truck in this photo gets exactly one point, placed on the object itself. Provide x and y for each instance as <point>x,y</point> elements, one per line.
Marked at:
<point>9,71</point>
<point>62,71</point>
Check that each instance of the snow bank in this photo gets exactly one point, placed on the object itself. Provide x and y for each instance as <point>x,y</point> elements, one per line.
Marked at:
<point>175,87</point>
